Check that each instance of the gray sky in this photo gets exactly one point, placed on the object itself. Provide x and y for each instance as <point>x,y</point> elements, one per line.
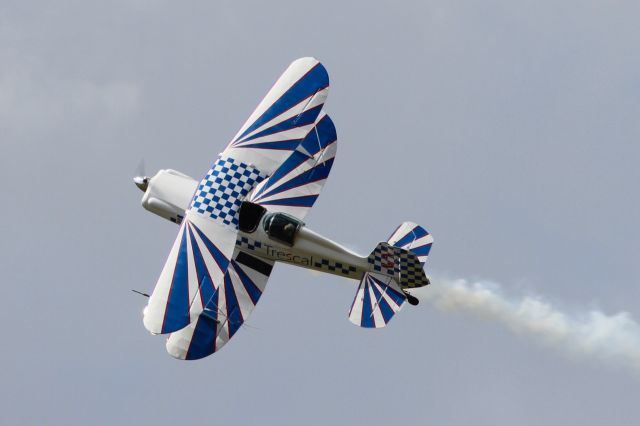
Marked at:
<point>508,129</point>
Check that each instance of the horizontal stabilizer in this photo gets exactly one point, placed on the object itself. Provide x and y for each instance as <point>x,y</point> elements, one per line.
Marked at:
<point>377,301</point>
<point>414,238</point>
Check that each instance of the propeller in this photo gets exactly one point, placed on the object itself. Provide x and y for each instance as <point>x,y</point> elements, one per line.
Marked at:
<point>141,180</point>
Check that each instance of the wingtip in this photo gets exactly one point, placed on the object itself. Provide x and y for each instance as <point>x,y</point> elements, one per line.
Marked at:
<point>175,349</point>
<point>310,62</point>
<point>148,322</point>
<point>306,59</point>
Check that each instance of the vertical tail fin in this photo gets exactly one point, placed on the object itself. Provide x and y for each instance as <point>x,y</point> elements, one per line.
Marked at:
<point>394,266</point>
<point>402,265</point>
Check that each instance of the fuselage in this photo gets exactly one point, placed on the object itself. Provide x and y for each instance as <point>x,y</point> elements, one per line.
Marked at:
<point>168,196</point>
<point>310,250</point>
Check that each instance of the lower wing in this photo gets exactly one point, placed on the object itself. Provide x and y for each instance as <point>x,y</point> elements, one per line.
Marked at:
<point>196,264</point>
<point>226,309</point>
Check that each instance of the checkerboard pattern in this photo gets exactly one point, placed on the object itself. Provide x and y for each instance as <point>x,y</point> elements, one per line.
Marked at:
<point>411,272</point>
<point>222,190</point>
<point>383,259</point>
<point>403,265</point>
<point>340,268</point>
<point>246,243</point>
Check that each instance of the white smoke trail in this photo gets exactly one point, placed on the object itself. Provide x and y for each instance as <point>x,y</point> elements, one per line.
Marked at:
<point>610,338</point>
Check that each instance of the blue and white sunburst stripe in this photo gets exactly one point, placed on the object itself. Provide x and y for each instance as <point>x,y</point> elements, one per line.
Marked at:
<point>226,310</point>
<point>415,238</point>
<point>377,301</point>
<point>295,186</point>
<point>284,117</point>
<point>198,260</point>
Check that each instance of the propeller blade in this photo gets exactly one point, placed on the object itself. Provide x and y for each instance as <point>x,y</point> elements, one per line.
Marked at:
<point>140,168</point>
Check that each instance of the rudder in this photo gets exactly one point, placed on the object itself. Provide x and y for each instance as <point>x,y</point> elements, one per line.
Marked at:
<point>402,265</point>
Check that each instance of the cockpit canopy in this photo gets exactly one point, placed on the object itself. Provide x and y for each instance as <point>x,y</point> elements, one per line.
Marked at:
<point>278,226</point>
<point>282,227</point>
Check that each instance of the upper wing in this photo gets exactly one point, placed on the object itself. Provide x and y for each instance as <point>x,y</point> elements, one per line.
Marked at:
<point>283,118</point>
<point>226,310</point>
<point>294,187</point>
<point>415,238</point>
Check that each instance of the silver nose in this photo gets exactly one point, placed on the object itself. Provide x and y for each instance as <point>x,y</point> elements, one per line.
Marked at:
<point>141,182</point>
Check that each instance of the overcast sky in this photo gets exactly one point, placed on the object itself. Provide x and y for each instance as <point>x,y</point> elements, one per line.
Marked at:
<point>509,129</point>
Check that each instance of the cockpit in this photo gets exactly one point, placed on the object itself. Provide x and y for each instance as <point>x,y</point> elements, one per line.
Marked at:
<point>280,227</point>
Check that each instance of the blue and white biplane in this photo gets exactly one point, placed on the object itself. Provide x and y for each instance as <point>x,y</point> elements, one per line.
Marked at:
<point>247,213</point>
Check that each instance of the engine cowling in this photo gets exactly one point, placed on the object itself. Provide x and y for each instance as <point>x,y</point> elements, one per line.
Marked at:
<point>168,194</point>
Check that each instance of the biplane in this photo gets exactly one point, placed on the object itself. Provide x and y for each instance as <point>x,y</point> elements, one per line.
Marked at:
<point>247,213</point>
